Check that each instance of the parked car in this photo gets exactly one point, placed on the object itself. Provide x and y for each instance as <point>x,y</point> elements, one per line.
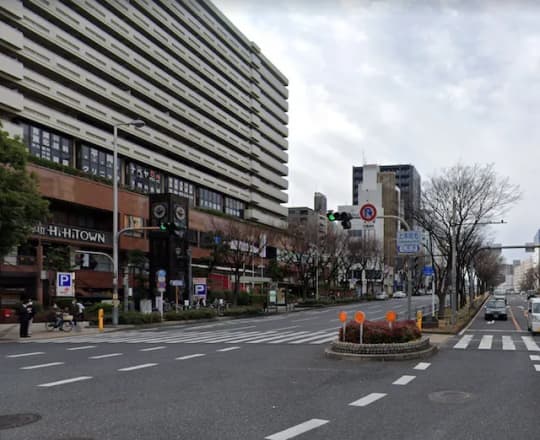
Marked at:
<point>495,309</point>
<point>399,294</point>
<point>381,295</point>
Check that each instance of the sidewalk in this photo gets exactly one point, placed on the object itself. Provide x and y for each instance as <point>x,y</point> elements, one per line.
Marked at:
<point>10,332</point>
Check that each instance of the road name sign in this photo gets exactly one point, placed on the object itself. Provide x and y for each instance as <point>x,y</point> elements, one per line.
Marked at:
<point>177,283</point>
<point>428,271</point>
<point>408,242</point>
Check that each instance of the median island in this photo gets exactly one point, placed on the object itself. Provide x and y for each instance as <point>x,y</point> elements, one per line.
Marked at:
<point>380,340</point>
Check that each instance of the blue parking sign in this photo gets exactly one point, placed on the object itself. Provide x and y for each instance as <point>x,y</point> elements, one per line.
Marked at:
<point>200,289</point>
<point>63,279</point>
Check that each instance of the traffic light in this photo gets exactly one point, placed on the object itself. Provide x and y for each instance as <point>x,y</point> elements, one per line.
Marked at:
<point>175,228</point>
<point>344,217</point>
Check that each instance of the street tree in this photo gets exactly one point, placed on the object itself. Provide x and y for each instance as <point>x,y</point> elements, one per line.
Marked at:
<point>21,206</point>
<point>455,207</point>
<point>488,267</point>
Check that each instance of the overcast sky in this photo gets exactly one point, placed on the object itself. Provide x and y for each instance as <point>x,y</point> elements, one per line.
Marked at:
<point>427,83</point>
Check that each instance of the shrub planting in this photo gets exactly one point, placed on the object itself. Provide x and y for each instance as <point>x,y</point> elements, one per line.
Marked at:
<point>205,313</point>
<point>380,332</point>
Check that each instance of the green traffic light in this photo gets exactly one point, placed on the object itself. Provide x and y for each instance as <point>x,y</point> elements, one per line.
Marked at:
<point>331,216</point>
<point>162,227</point>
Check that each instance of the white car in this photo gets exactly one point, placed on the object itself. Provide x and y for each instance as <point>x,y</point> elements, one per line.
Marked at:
<point>399,294</point>
<point>381,295</point>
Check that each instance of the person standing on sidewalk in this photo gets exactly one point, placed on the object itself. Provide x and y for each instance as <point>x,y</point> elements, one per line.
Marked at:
<point>24,320</point>
<point>31,313</point>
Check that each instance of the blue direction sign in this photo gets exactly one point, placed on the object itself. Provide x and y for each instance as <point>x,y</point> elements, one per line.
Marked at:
<point>408,242</point>
<point>428,271</point>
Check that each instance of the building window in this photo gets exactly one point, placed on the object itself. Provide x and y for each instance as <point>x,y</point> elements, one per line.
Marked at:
<point>143,179</point>
<point>48,145</point>
<point>97,162</point>
<point>210,199</point>
<point>181,188</point>
<point>234,207</point>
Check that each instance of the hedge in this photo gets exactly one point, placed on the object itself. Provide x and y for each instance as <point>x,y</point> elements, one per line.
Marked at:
<point>380,332</point>
<point>204,313</point>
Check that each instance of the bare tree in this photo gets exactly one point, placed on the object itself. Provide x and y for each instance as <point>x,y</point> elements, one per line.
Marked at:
<point>455,207</point>
<point>487,265</point>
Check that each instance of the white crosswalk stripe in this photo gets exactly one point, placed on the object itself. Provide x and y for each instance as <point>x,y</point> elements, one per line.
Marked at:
<point>203,335</point>
<point>496,342</point>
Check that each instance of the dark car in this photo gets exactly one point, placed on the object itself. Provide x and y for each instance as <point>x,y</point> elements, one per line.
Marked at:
<point>495,309</point>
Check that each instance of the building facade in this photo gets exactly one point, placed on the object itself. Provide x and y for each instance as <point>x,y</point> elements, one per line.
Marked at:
<point>320,203</point>
<point>214,107</point>
<point>407,180</point>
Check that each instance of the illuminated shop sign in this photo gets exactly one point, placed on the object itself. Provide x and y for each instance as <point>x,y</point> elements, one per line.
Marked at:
<point>73,233</point>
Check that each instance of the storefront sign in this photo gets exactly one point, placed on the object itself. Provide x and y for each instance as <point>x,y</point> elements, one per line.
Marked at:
<point>73,233</point>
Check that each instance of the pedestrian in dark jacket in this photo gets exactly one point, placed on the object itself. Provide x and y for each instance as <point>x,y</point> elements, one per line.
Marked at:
<point>24,320</point>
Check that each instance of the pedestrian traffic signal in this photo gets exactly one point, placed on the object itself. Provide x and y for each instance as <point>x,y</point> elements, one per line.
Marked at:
<point>344,217</point>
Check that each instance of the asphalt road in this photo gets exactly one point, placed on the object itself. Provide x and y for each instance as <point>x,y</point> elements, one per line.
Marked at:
<point>239,383</point>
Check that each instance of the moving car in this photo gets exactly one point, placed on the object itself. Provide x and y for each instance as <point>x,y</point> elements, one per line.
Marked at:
<point>399,294</point>
<point>495,309</point>
<point>501,296</point>
<point>381,295</point>
<point>533,315</point>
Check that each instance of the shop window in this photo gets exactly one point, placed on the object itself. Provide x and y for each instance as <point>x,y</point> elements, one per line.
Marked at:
<point>210,199</point>
<point>96,162</point>
<point>48,145</point>
<point>234,207</point>
<point>143,179</point>
<point>181,187</point>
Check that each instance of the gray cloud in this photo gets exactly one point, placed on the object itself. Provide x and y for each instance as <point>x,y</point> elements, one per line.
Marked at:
<point>427,83</point>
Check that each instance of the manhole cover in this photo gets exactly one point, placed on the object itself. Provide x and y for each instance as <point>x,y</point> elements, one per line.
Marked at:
<point>450,396</point>
<point>9,421</point>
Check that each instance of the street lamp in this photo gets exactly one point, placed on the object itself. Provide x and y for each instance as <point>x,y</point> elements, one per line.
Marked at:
<point>136,123</point>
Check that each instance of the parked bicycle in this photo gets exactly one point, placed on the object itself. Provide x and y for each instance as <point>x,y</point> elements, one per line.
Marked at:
<point>62,321</point>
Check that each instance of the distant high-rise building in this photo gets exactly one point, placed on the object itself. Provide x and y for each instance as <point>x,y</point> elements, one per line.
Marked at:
<point>320,203</point>
<point>407,180</point>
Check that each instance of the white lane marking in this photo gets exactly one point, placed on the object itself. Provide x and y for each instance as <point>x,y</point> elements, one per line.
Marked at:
<point>304,319</point>
<point>228,349</point>
<point>50,364</point>
<point>486,342</point>
<point>233,341</point>
<point>530,344</point>
<point>35,353</point>
<point>534,357</point>
<point>328,339</point>
<point>85,347</point>
<point>161,347</point>
<point>273,337</point>
<point>137,367</point>
<point>422,366</point>
<point>297,430</point>
<point>62,382</point>
<point>370,398</point>
<point>464,342</point>
<point>404,380</point>
<point>189,356</point>
<point>316,336</point>
<point>537,367</point>
<point>508,344</point>
<point>103,356</point>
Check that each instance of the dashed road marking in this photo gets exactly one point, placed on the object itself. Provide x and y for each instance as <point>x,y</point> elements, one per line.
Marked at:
<point>189,356</point>
<point>161,347</point>
<point>103,356</point>
<point>486,342</point>
<point>404,380</point>
<point>297,430</point>
<point>508,343</point>
<point>84,347</point>
<point>537,367</point>
<point>35,353</point>
<point>530,344</point>
<point>422,366</point>
<point>534,357</point>
<point>137,367</point>
<point>33,367</point>
<point>228,349</point>
<point>366,400</point>
<point>62,382</point>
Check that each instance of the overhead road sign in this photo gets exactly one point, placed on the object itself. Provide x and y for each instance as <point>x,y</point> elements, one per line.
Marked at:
<point>408,242</point>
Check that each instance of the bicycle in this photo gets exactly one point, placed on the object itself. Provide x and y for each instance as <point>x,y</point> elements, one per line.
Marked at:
<point>66,323</point>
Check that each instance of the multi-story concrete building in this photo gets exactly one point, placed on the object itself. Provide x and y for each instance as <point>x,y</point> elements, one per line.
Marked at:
<point>407,180</point>
<point>319,203</point>
<point>214,106</point>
